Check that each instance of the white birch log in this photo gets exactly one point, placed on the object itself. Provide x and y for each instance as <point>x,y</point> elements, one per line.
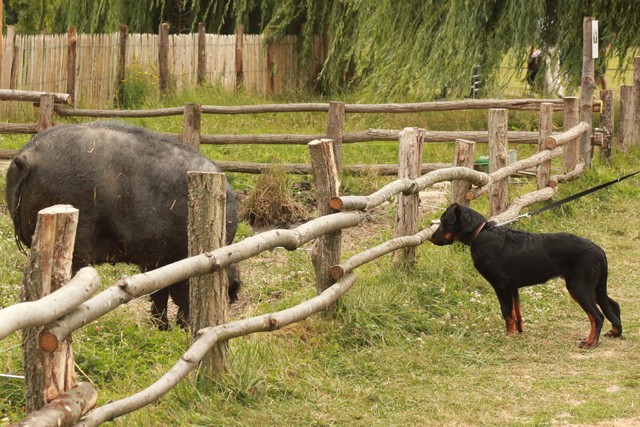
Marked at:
<point>522,202</point>
<point>144,283</point>
<point>407,186</point>
<point>208,337</point>
<point>47,309</point>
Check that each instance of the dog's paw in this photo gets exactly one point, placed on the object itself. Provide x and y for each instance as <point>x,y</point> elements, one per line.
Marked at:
<point>613,333</point>
<point>586,344</point>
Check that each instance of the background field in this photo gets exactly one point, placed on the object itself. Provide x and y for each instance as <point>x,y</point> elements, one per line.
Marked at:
<point>420,347</point>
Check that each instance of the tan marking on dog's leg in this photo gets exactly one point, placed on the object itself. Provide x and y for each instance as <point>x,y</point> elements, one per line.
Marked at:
<point>591,341</point>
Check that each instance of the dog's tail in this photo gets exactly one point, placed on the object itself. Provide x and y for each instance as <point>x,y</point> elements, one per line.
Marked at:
<point>610,308</point>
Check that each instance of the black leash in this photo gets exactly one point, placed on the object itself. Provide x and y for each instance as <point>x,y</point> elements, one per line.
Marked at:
<point>567,199</point>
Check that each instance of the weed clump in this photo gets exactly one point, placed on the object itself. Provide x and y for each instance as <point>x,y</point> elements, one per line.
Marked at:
<point>271,203</point>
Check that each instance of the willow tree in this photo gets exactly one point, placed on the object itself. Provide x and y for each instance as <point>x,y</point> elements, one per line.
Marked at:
<point>386,49</point>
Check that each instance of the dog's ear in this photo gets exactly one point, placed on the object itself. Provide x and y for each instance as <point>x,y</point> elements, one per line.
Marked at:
<point>452,212</point>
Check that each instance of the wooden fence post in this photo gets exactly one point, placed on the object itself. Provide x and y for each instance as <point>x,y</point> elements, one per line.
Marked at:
<point>409,164</point>
<point>625,127</point>
<point>543,171</point>
<point>72,41</point>
<point>465,152</point>
<point>607,119</point>
<point>335,130</point>
<point>571,118</point>
<point>48,268</point>
<point>208,294</point>
<point>498,158</point>
<point>47,102</point>
<point>326,248</point>
<point>7,57</point>
<point>202,54</point>
<point>239,53</point>
<point>163,58</point>
<point>636,100</point>
<point>191,125</point>
<point>587,89</point>
<point>122,65</point>
<point>270,65</point>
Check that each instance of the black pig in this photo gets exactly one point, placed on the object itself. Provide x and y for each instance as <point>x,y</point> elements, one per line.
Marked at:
<point>130,186</point>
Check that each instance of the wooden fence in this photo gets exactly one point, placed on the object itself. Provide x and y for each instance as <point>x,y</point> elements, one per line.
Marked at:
<point>56,316</point>
<point>90,67</point>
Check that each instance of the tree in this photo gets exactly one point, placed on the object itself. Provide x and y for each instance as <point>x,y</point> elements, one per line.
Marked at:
<point>388,49</point>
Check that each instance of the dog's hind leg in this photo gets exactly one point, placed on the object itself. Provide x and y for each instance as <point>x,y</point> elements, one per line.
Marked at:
<point>610,307</point>
<point>596,318</point>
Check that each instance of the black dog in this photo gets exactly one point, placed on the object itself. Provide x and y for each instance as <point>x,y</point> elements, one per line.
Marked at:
<point>511,259</point>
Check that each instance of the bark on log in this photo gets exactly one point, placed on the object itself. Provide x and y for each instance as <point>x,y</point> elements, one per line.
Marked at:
<point>521,202</point>
<point>513,168</point>
<point>46,112</point>
<point>347,266</point>
<point>66,410</point>
<point>543,171</point>
<point>567,136</point>
<point>463,158</point>
<point>571,119</point>
<point>72,55</point>
<point>587,89</point>
<point>208,298</point>
<point>406,223</point>
<point>327,248</point>
<point>31,96</point>
<point>51,307</point>
<point>160,112</point>
<point>636,100</point>
<point>625,131</point>
<point>385,193</point>
<point>28,128</point>
<point>208,337</point>
<point>144,283</point>
<point>498,158</point>
<point>306,169</point>
<point>48,268</point>
<point>191,123</point>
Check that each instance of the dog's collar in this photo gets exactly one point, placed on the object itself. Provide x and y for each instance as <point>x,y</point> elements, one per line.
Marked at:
<point>478,231</point>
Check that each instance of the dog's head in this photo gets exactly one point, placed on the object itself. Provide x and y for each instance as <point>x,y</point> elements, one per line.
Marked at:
<point>457,224</point>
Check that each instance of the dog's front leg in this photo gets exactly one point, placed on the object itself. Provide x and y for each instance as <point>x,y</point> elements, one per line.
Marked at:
<point>508,308</point>
<point>515,312</point>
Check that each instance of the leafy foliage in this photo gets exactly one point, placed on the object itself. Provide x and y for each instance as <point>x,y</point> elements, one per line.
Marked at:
<point>389,49</point>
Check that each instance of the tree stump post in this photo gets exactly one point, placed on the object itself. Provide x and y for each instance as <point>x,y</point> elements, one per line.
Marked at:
<point>636,100</point>
<point>72,41</point>
<point>465,152</point>
<point>239,53</point>
<point>625,127</point>
<point>122,65</point>
<point>208,294</point>
<point>47,101</point>
<point>335,130</point>
<point>191,125</point>
<point>498,158</point>
<point>163,58</point>
<point>571,118</point>
<point>409,162</point>
<point>202,54</point>
<point>326,248</point>
<point>587,89</point>
<point>543,171</point>
<point>47,375</point>
<point>607,118</point>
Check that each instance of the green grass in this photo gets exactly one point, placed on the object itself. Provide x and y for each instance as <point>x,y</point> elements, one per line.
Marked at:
<point>419,347</point>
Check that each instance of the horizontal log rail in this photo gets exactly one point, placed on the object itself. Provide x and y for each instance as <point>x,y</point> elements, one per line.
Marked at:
<point>31,96</point>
